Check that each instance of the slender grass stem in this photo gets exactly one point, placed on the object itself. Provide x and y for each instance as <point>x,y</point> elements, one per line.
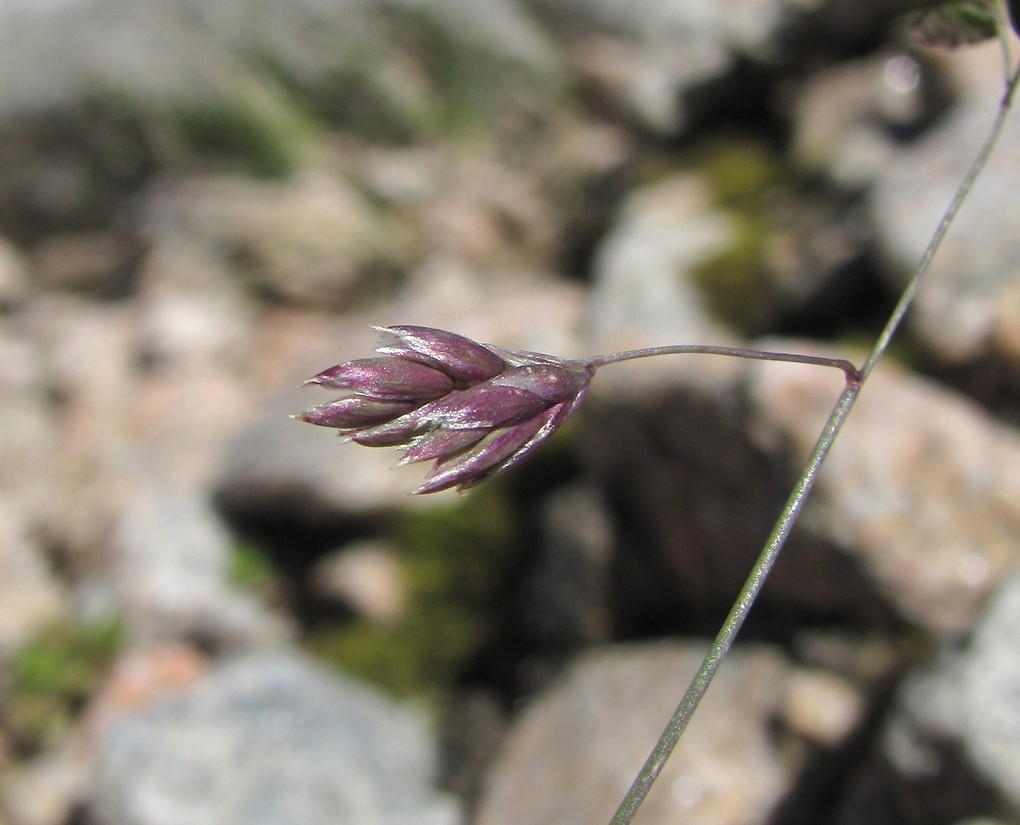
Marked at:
<point>742,607</point>
<point>973,173</point>
<point>653,766</point>
<point>846,367</point>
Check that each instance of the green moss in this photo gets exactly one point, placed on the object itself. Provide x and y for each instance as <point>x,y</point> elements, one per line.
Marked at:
<point>470,84</point>
<point>254,121</point>
<point>733,282</point>
<point>239,136</point>
<point>455,559</point>
<point>464,79</point>
<point>249,568</point>
<point>54,674</point>
<point>742,174</point>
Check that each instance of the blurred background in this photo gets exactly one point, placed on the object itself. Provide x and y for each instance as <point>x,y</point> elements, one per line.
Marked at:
<point>211,613</point>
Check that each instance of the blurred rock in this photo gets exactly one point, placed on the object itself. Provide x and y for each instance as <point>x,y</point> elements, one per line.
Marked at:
<point>823,708</point>
<point>364,576</point>
<point>970,696</point>
<point>30,443</point>
<point>484,209</point>
<point>914,516</point>
<point>968,313</point>
<point>44,790</point>
<point>30,594</point>
<point>97,262</point>
<point>142,677</point>
<point>869,659</point>
<point>171,558</point>
<point>123,395</point>
<point>487,214</point>
<point>573,753</point>
<point>281,466</point>
<point>193,313</point>
<point>645,59</point>
<point>921,490</point>
<point>13,276</point>
<point>313,239</point>
<point>643,294</point>
<point>188,56</point>
<point>85,351</point>
<point>816,272</point>
<point>64,178</point>
<point>501,28</point>
<point>567,594</point>
<point>846,117</point>
<point>268,739</point>
<point>512,308</point>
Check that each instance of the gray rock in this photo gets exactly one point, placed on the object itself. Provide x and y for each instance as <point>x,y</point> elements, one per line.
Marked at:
<point>822,707</point>
<point>29,450</point>
<point>921,490</point>
<point>193,55</point>
<point>81,450</point>
<point>279,465</point>
<point>642,293</point>
<point>969,306</point>
<point>270,739</point>
<point>573,753</point>
<point>30,594</point>
<point>43,790</point>
<point>96,263</point>
<point>645,56</point>
<point>120,425</point>
<point>971,695</point>
<point>844,115</point>
<point>914,516</point>
<point>194,318</point>
<point>170,568</point>
<point>365,577</point>
<point>312,239</point>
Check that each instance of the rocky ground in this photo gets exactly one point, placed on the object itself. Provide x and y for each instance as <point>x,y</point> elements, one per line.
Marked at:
<point>214,614</point>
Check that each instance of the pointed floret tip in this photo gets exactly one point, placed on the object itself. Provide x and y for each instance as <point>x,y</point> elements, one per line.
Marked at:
<point>473,409</point>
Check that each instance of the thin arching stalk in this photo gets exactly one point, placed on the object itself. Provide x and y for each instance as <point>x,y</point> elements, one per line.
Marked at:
<point>735,352</point>
<point>770,553</point>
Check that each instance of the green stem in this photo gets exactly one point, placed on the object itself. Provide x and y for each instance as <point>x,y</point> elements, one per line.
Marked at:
<point>791,511</point>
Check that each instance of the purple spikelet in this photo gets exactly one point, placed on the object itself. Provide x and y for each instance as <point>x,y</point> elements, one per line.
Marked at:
<point>474,410</point>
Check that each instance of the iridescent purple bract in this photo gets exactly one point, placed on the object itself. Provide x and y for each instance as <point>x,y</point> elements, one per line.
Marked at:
<point>474,409</point>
